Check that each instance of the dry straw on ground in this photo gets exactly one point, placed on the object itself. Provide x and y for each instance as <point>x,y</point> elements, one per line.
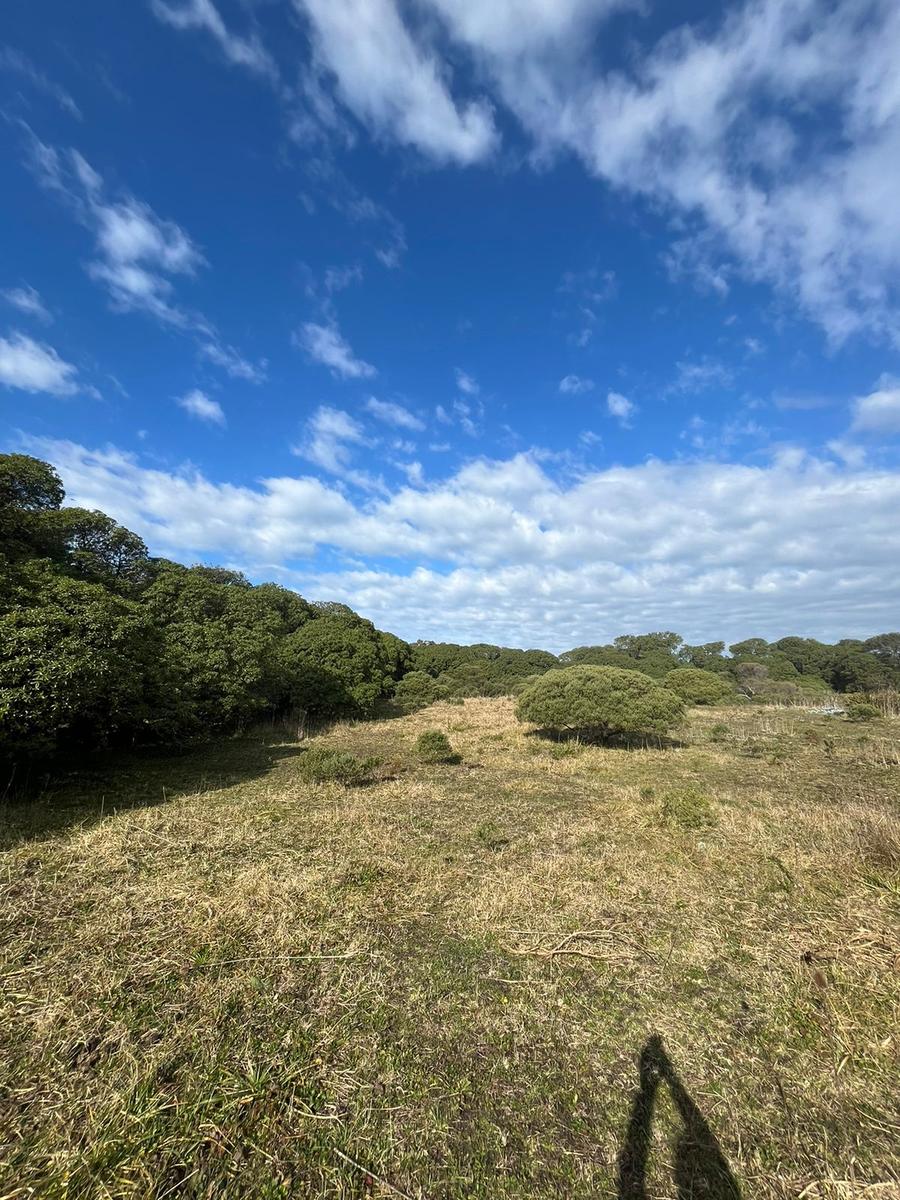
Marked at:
<point>220,979</point>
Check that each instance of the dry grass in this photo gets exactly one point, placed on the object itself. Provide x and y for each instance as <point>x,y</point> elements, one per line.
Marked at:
<point>221,980</point>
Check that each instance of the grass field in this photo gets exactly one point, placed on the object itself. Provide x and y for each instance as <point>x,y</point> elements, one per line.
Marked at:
<point>547,970</point>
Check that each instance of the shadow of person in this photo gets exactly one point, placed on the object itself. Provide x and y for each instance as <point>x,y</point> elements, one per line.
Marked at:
<point>701,1171</point>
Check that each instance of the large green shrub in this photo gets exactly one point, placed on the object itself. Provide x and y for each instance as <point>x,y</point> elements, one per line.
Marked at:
<point>697,686</point>
<point>417,690</point>
<point>600,701</point>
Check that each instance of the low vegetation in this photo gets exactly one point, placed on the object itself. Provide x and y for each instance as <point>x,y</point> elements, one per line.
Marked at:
<point>608,972</point>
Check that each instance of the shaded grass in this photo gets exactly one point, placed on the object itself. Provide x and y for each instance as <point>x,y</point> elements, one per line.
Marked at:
<point>227,981</point>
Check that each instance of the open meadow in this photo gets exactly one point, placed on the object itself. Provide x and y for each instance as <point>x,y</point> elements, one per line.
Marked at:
<point>546,969</point>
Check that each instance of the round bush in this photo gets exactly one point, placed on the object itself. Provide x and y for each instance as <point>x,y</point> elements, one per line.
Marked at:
<point>600,701</point>
<point>696,686</point>
<point>862,712</point>
<point>432,746</point>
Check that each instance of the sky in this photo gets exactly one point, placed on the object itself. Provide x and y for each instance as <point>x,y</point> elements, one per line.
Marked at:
<point>532,322</point>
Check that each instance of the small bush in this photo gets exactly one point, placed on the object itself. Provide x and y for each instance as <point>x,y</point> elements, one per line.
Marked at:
<point>432,746</point>
<point>320,765</point>
<point>862,712</point>
<point>688,807</point>
<point>718,732</point>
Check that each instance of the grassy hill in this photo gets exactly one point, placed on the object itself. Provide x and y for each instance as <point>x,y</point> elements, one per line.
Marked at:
<point>548,969</point>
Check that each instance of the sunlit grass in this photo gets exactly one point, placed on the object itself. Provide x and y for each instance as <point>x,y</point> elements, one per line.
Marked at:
<point>222,978</point>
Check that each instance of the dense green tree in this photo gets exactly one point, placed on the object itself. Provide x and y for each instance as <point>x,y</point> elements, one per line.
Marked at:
<point>337,664</point>
<point>601,701</point>
<point>29,490</point>
<point>418,689</point>
<point>708,657</point>
<point>220,644</point>
<point>696,686</point>
<point>79,667</point>
<point>755,649</point>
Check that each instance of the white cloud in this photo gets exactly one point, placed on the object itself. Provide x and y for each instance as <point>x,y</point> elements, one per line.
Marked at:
<point>709,122</point>
<point>467,383</point>
<point>329,440</point>
<point>575,385</point>
<point>710,549</point>
<point>393,84</point>
<point>879,412</point>
<point>233,362</point>
<point>199,405</point>
<point>621,408</point>
<point>203,15</point>
<point>17,63</point>
<point>394,414</point>
<point>137,251</point>
<point>694,377</point>
<point>326,345</point>
<point>35,367</point>
<point>27,301</point>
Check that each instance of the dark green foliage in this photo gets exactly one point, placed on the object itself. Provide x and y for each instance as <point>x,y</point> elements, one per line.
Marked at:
<point>600,701</point>
<point>718,732</point>
<point>479,670</point>
<point>321,765</point>
<point>417,690</point>
<point>337,663</point>
<point>432,746</point>
<point>79,668</point>
<point>862,712</point>
<point>696,686</point>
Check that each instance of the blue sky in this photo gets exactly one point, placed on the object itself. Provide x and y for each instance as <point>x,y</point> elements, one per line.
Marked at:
<point>533,322</point>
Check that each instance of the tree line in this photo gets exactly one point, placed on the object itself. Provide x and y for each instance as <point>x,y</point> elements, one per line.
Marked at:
<point>102,644</point>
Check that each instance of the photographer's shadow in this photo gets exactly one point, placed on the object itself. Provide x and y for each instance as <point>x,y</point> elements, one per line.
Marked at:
<point>701,1171</point>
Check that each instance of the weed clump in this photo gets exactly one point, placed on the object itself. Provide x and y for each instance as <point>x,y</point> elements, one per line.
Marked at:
<point>862,712</point>
<point>491,835</point>
<point>432,746</point>
<point>718,732</point>
<point>321,765</point>
<point>688,807</point>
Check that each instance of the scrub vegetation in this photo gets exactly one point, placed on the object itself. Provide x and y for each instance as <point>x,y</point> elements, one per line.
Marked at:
<point>290,907</point>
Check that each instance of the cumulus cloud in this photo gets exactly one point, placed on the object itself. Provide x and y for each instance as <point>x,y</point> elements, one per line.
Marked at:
<point>32,366</point>
<point>574,385</point>
<point>879,412</point>
<point>621,408</point>
<point>326,344</point>
<point>199,405</point>
<point>28,301</point>
<point>247,52</point>
<point>710,549</point>
<point>394,414</point>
